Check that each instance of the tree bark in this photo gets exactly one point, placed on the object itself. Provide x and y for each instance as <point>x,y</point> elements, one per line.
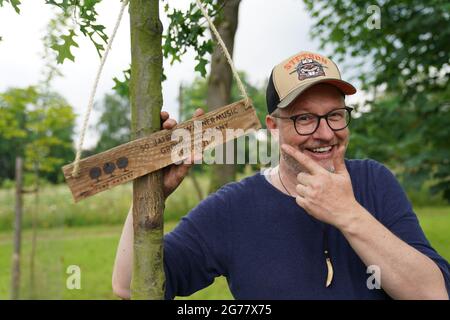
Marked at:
<point>15,272</point>
<point>148,280</point>
<point>220,81</point>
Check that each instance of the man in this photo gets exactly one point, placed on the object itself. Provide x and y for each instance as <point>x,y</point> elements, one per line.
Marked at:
<point>310,228</point>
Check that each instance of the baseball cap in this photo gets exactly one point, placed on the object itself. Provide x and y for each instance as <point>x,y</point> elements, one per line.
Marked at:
<point>299,72</point>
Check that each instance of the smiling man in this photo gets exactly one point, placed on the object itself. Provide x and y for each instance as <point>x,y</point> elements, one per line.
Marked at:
<point>310,228</point>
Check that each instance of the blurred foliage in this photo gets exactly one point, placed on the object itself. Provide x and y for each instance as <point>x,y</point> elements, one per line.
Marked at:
<point>37,126</point>
<point>122,87</point>
<point>194,96</point>
<point>51,70</point>
<point>406,64</point>
<point>114,123</point>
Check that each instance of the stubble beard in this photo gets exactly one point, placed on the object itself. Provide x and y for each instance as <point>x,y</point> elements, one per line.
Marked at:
<point>294,167</point>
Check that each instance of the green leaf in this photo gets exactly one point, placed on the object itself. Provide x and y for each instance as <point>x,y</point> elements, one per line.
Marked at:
<point>14,3</point>
<point>201,66</point>
<point>64,50</point>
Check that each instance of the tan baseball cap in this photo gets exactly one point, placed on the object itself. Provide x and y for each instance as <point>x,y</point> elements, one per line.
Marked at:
<point>299,72</point>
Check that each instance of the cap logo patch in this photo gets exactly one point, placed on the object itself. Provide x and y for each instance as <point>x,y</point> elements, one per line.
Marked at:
<point>308,68</point>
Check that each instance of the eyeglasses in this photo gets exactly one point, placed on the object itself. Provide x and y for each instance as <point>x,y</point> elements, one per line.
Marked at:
<point>307,123</point>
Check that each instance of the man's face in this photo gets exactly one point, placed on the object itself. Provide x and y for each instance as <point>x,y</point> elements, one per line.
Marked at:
<point>319,99</point>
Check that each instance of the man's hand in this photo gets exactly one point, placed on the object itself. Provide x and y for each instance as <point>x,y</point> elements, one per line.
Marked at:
<point>174,174</point>
<point>326,196</point>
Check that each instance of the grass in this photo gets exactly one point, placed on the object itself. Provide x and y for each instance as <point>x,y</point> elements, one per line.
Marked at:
<point>435,221</point>
<point>91,248</point>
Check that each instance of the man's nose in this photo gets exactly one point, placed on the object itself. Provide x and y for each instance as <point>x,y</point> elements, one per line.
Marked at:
<point>324,131</point>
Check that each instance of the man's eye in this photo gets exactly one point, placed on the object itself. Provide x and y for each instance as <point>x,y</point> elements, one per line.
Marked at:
<point>305,117</point>
<point>336,115</point>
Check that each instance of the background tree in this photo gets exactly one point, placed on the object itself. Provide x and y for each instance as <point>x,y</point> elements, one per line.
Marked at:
<point>406,64</point>
<point>38,127</point>
<point>114,123</point>
<point>220,80</point>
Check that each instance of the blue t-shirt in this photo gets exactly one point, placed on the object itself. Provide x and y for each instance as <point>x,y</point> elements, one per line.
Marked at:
<point>270,248</point>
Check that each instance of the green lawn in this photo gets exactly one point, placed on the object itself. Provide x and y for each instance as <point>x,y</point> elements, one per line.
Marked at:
<point>92,248</point>
<point>435,221</point>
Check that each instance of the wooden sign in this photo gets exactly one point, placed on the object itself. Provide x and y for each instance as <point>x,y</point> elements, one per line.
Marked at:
<point>136,158</point>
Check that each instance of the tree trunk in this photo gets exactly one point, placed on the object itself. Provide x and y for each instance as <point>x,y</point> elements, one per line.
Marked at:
<point>148,280</point>
<point>220,81</point>
<point>15,272</point>
<point>35,212</point>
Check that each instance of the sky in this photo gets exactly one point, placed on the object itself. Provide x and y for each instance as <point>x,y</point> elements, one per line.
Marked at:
<point>268,32</point>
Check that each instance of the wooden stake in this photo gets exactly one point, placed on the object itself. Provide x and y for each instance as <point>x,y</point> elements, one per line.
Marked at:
<point>15,272</point>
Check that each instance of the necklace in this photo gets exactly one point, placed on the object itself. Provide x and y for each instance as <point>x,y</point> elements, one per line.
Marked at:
<point>279,177</point>
<point>326,251</point>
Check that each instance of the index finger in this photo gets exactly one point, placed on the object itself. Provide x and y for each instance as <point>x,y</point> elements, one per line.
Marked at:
<point>303,159</point>
<point>164,115</point>
<point>198,112</point>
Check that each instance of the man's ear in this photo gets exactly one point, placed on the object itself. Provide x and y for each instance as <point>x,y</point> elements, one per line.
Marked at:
<point>272,126</point>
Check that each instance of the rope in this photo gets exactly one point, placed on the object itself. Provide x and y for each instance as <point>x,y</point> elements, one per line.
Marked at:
<point>76,167</point>
<point>226,53</point>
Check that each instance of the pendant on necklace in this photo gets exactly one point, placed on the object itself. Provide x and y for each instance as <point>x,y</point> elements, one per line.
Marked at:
<point>330,272</point>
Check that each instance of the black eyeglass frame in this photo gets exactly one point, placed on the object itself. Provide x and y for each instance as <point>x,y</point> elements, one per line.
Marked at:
<point>319,118</point>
